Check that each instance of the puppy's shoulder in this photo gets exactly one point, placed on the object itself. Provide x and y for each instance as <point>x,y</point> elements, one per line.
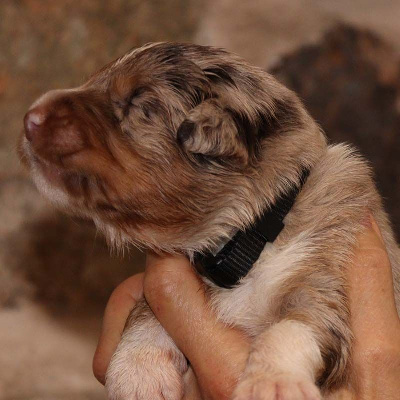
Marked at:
<point>343,178</point>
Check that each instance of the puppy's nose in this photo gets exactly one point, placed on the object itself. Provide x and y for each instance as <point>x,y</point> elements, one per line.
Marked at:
<point>33,121</point>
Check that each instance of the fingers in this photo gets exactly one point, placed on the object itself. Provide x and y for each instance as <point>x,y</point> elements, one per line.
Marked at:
<point>373,308</point>
<point>120,304</point>
<point>374,318</point>
<point>177,297</point>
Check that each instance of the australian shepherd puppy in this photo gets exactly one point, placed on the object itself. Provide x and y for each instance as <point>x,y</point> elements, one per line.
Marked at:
<point>176,148</point>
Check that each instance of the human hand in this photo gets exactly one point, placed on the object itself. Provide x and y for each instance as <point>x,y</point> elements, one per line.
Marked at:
<point>375,321</point>
<point>218,354</point>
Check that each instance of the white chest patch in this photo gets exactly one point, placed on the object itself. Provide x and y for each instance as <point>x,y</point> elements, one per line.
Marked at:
<point>250,305</point>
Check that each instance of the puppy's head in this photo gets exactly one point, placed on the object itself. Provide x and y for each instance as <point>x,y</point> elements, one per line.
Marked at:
<point>167,146</point>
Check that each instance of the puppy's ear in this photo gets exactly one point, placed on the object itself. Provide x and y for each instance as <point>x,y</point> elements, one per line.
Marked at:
<point>215,132</point>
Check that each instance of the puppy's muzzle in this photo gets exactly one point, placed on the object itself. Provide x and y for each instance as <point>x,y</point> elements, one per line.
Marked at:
<point>53,130</point>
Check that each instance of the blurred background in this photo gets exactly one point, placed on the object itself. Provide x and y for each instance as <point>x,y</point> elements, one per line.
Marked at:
<point>341,56</point>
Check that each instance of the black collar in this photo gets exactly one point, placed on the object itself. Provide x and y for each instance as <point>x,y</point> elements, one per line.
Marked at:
<point>237,257</point>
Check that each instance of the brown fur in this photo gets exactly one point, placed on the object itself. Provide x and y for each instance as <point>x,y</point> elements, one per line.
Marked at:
<point>173,147</point>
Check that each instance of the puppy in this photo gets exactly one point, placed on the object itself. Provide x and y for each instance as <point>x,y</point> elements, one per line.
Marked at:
<point>181,148</point>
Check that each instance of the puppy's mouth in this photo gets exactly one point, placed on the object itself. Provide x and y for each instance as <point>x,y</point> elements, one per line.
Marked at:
<point>55,174</point>
<point>79,186</point>
<point>73,182</point>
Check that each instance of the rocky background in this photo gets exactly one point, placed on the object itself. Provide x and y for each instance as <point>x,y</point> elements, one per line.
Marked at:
<point>55,274</point>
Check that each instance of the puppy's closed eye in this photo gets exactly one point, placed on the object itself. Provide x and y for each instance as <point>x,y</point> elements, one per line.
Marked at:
<point>123,105</point>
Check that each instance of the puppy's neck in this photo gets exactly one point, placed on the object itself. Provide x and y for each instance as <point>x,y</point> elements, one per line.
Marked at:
<point>235,258</point>
<point>283,162</point>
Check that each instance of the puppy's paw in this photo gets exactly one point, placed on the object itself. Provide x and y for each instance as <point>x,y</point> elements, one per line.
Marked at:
<point>276,387</point>
<point>144,374</point>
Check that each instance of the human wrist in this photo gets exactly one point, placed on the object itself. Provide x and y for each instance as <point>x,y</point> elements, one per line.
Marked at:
<point>377,372</point>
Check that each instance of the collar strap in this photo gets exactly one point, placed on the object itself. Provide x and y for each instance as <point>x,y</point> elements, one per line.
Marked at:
<point>237,257</point>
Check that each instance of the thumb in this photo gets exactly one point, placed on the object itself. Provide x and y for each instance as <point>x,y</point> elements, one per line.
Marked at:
<point>178,298</point>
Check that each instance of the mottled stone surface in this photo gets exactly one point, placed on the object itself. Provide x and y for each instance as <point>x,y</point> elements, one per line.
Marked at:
<point>53,268</point>
<point>47,356</point>
<point>350,82</point>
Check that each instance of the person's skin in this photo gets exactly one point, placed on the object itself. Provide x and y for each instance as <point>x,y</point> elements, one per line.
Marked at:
<point>218,353</point>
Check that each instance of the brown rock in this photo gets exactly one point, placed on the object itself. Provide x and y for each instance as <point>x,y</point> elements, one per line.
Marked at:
<point>350,82</point>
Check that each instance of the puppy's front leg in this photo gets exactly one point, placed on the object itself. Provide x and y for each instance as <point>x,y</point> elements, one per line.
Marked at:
<point>147,364</point>
<point>282,365</point>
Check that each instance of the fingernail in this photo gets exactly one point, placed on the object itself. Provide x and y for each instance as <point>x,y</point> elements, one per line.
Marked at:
<point>375,227</point>
<point>367,220</point>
